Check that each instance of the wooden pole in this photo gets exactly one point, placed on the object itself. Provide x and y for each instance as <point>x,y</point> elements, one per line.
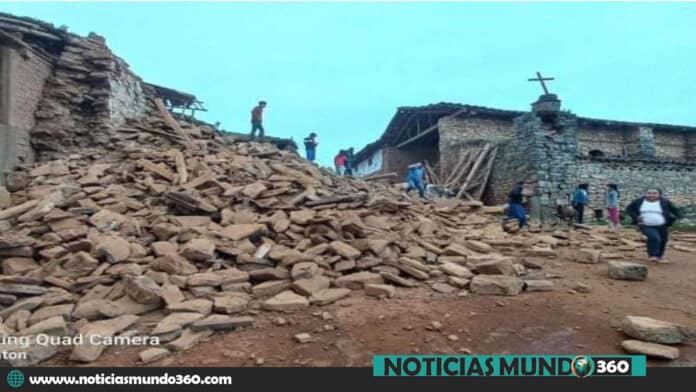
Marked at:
<point>473,170</point>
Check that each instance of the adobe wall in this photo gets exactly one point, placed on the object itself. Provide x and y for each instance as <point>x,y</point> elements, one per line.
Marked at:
<point>22,79</point>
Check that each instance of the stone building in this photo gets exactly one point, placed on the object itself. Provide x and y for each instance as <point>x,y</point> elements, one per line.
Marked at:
<point>553,149</point>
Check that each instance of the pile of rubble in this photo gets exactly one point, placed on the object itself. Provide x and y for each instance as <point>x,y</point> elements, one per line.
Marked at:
<point>193,233</point>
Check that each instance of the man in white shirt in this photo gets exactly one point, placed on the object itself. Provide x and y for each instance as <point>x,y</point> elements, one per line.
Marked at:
<point>654,214</point>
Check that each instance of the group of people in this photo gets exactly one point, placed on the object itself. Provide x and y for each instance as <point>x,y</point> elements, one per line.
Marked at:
<point>344,162</point>
<point>310,142</point>
<point>652,213</point>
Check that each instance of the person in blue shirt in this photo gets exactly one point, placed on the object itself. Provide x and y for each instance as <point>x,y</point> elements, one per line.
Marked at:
<point>580,199</point>
<point>416,178</point>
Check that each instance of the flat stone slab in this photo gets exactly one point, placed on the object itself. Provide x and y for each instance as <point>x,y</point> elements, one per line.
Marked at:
<point>230,304</point>
<point>187,339</point>
<point>327,296</point>
<point>358,280</point>
<point>658,331</point>
<point>286,301</point>
<point>625,270</point>
<point>203,306</point>
<point>153,354</point>
<point>496,285</point>
<point>309,286</point>
<point>650,349</point>
<point>456,270</point>
<point>222,322</point>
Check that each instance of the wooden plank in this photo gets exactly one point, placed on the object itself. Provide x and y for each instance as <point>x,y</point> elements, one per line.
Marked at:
<point>474,169</point>
<point>489,168</point>
<point>380,176</point>
<point>170,120</point>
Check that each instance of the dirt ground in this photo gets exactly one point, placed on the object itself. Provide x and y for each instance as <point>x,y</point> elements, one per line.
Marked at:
<point>558,322</point>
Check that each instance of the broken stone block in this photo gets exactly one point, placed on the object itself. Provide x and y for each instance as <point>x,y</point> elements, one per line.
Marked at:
<point>358,280</point>
<point>106,220</point>
<point>285,301</point>
<point>624,270</point>
<point>174,264</point>
<point>161,248</point>
<point>187,340</point>
<point>496,285</point>
<point>345,250</point>
<point>204,279</point>
<point>303,337</point>
<point>456,270</point>
<point>142,289</point>
<point>112,249</point>
<point>304,270</point>
<point>478,246</point>
<point>230,304</point>
<point>199,249</point>
<point>380,290</point>
<point>240,231</point>
<point>171,294</point>
<point>153,354</point>
<point>588,256</point>
<point>18,265</point>
<point>652,330</point>
<point>80,264</point>
<point>538,285</point>
<point>308,286</point>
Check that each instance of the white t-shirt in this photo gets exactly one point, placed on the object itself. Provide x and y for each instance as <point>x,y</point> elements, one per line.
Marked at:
<point>651,212</point>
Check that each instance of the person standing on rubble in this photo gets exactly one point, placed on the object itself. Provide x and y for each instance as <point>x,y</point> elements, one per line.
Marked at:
<point>516,206</point>
<point>579,201</point>
<point>340,162</point>
<point>350,160</point>
<point>612,203</point>
<point>257,120</point>
<point>310,143</point>
<point>415,179</point>
<point>654,214</point>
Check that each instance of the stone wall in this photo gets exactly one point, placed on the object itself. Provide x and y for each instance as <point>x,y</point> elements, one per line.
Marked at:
<point>127,99</point>
<point>456,133</point>
<point>678,182</point>
<point>610,141</point>
<point>670,144</point>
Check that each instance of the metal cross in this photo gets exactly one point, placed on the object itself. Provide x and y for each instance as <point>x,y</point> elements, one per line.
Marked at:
<point>541,80</point>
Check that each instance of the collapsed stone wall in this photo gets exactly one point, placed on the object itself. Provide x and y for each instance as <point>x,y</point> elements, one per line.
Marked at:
<point>90,94</point>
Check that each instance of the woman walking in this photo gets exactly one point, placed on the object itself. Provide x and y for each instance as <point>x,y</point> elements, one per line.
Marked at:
<point>654,214</point>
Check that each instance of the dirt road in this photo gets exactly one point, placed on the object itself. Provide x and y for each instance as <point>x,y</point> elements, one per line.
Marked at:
<point>558,322</point>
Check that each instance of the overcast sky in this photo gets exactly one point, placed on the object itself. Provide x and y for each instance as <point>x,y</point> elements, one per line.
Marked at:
<point>342,69</point>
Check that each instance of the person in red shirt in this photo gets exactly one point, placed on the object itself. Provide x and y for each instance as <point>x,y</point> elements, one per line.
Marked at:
<point>257,120</point>
<point>340,162</point>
